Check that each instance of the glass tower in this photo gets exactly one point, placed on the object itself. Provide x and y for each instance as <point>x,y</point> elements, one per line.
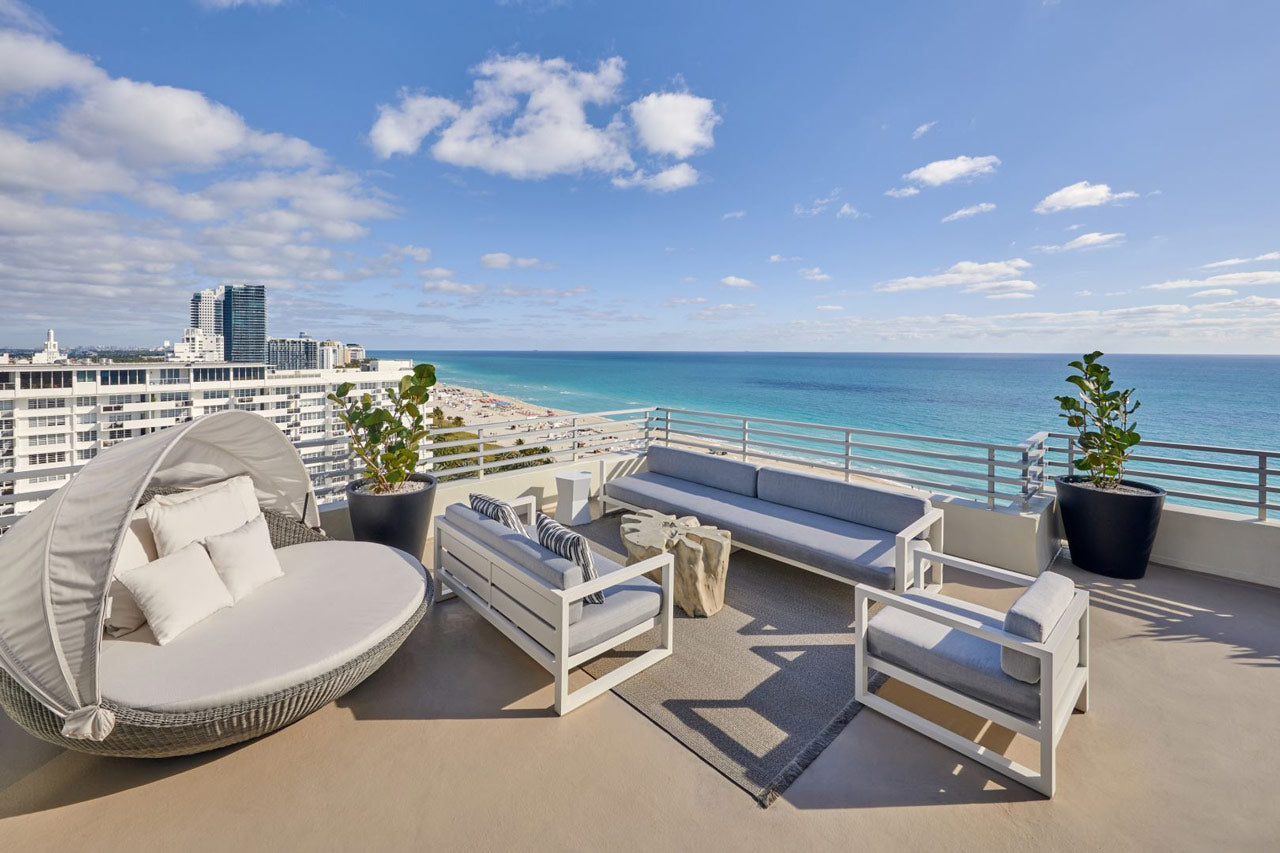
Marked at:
<point>244,322</point>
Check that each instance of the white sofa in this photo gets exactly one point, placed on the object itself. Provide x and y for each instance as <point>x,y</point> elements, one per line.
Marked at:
<point>535,598</point>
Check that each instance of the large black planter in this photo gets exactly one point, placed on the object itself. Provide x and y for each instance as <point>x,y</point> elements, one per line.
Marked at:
<point>399,520</point>
<point>1110,532</point>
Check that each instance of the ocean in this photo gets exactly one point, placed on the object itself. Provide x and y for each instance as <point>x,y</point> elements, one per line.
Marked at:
<point>1224,400</point>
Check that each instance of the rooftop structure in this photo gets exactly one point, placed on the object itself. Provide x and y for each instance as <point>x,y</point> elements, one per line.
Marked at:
<point>244,322</point>
<point>300,353</point>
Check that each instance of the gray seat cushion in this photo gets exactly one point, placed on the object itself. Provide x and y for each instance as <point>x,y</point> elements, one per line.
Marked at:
<point>336,601</point>
<point>625,606</point>
<point>1034,615</point>
<point>967,664</point>
<point>884,509</point>
<point>703,468</point>
<point>861,554</point>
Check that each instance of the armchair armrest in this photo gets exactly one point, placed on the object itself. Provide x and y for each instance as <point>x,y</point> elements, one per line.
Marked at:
<point>663,562</point>
<point>1015,578</point>
<point>905,545</point>
<point>951,620</point>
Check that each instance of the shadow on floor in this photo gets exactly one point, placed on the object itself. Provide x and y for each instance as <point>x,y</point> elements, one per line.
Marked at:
<point>1227,612</point>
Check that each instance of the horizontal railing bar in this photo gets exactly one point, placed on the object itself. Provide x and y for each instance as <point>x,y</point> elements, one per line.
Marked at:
<point>910,436</point>
<point>1174,445</point>
<point>1194,463</point>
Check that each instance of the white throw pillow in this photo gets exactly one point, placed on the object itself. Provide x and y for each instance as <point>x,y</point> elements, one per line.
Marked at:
<point>177,591</point>
<point>124,616</point>
<point>178,520</point>
<point>244,558</point>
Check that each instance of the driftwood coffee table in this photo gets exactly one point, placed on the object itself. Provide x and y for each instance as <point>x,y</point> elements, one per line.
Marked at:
<point>701,556</point>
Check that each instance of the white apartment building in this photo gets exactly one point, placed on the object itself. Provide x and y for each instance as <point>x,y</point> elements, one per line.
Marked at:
<point>55,418</point>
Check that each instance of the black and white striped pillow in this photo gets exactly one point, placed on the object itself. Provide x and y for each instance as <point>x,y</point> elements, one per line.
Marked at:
<point>500,511</point>
<point>554,536</point>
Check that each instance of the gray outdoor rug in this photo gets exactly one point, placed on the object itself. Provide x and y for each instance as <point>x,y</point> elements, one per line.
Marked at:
<point>761,688</point>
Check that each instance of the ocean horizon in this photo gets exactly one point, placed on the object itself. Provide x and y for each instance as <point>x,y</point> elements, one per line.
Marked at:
<point>1228,400</point>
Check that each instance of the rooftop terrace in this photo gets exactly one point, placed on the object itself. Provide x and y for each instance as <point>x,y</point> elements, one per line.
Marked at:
<point>454,744</point>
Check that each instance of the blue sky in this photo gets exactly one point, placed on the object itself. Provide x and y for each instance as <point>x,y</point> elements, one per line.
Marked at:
<point>1013,176</point>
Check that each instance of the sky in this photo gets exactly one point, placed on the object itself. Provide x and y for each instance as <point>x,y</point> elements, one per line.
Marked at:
<point>1019,176</point>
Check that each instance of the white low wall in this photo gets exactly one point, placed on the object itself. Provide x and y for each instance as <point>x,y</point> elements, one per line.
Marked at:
<point>1219,543</point>
<point>1014,537</point>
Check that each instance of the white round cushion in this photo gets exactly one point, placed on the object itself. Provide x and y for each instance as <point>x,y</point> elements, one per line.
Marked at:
<point>336,601</point>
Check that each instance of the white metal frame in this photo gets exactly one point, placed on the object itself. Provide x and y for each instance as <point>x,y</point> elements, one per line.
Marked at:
<point>905,545</point>
<point>469,567</point>
<point>1058,695</point>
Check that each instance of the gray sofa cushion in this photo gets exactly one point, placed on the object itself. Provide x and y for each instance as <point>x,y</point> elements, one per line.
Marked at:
<point>954,659</point>
<point>540,563</point>
<point>861,554</point>
<point>703,468</point>
<point>625,606</point>
<point>1034,615</point>
<point>336,601</point>
<point>867,505</point>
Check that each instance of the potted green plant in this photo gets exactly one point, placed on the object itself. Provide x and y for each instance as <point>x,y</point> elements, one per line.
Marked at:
<point>1110,522</point>
<point>391,504</point>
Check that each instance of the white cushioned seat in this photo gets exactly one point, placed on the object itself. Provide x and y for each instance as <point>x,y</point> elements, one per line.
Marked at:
<point>336,601</point>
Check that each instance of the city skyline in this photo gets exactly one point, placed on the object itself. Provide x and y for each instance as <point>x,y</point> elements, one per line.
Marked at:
<point>577,176</point>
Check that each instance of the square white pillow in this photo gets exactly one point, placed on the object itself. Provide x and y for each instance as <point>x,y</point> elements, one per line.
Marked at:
<point>124,616</point>
<point>180,519</point>
<point>177,591</point>
<point>244,557</point>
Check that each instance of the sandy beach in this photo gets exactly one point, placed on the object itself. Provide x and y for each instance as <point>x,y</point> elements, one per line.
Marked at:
<point>476,406</point>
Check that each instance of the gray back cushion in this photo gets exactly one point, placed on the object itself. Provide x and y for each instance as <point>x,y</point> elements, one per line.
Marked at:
<point>703,468</point>
<point>548,567</point>
<point>883,509</point>
<point>1034,615</point>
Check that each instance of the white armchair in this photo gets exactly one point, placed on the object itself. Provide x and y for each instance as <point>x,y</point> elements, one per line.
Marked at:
<point>963,654</point>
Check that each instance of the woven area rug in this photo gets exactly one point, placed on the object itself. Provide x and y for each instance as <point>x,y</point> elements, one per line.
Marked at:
<point>761,688</point>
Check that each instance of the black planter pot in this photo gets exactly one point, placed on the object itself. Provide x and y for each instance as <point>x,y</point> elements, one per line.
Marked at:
<point>1109,532</point>
<point>399,520</point>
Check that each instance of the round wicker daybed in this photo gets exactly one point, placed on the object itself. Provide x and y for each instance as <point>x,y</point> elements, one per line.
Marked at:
<point>338,613</point>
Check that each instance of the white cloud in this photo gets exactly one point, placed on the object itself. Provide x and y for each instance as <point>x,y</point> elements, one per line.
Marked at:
<point>18,15</point>
<point>737,281</point>
<point>674,123</point>
<point>725,311</point>
<point>436,273</point>
<point>848,211</point>
<point>400,129</point>
<point>527,119</point>
<point>676,177</point>
<point>232,4</point>
<point>966,212</point>
<point>814,274</point>
<point>690,279</point>
<point>902,192</point>
<point>1092,240</point>
<point>962,273</point>
<point>30,64</point>
<point>452,287</point>
<point>1015,289</point>
<point>1232,279</point>
<point>778,259</point>
<point>941,172</point>
<point>504,261</point>
<point>828,308</point>
<point>734,214</point>
<point>1233,262</point>
<point>817,206</point>
<point>1082,194</point>
<point>684,300</point>
<point>923,129</point>
<point>1084,293</point>
<point>1075,227</point>
<point>421,254</point>
<point>1214,291</point>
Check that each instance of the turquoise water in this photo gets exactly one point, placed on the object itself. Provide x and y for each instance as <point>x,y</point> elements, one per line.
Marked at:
<point>1224,400</point>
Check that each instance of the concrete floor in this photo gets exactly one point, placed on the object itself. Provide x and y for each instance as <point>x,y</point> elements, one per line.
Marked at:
<point>452,746</point>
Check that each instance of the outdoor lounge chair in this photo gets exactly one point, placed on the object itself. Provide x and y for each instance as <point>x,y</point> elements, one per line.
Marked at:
<point>963,653</point>
<point>334,617</point>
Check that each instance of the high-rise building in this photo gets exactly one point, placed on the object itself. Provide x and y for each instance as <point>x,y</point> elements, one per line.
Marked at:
<point>206,311</point>
<point>244,322</point>
<point>195,345</point>
<point>355,352</point>
<point>301,353</point>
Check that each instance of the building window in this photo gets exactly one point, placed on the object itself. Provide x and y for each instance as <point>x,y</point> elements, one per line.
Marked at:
<point>211,374</point>
<point>6,380</point>
<point>47,403</point>
<point>86,376</point>
<point>248,374</point>
<point>49,478</point>
<point>87,435</point>
<point>35,380</point>
<point>52,439</point>
<point>124,377</point>
<point>47,421</point>
<point>85,401</point>
<point>55,458</point>
<point>86,454</point>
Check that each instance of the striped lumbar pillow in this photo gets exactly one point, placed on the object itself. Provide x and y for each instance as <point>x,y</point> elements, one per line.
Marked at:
<point>554,536</point>
<point>500,511</point>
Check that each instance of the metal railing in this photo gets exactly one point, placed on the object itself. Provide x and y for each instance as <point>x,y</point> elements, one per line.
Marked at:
<point>989,471</point>
<point>1205,475</point>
